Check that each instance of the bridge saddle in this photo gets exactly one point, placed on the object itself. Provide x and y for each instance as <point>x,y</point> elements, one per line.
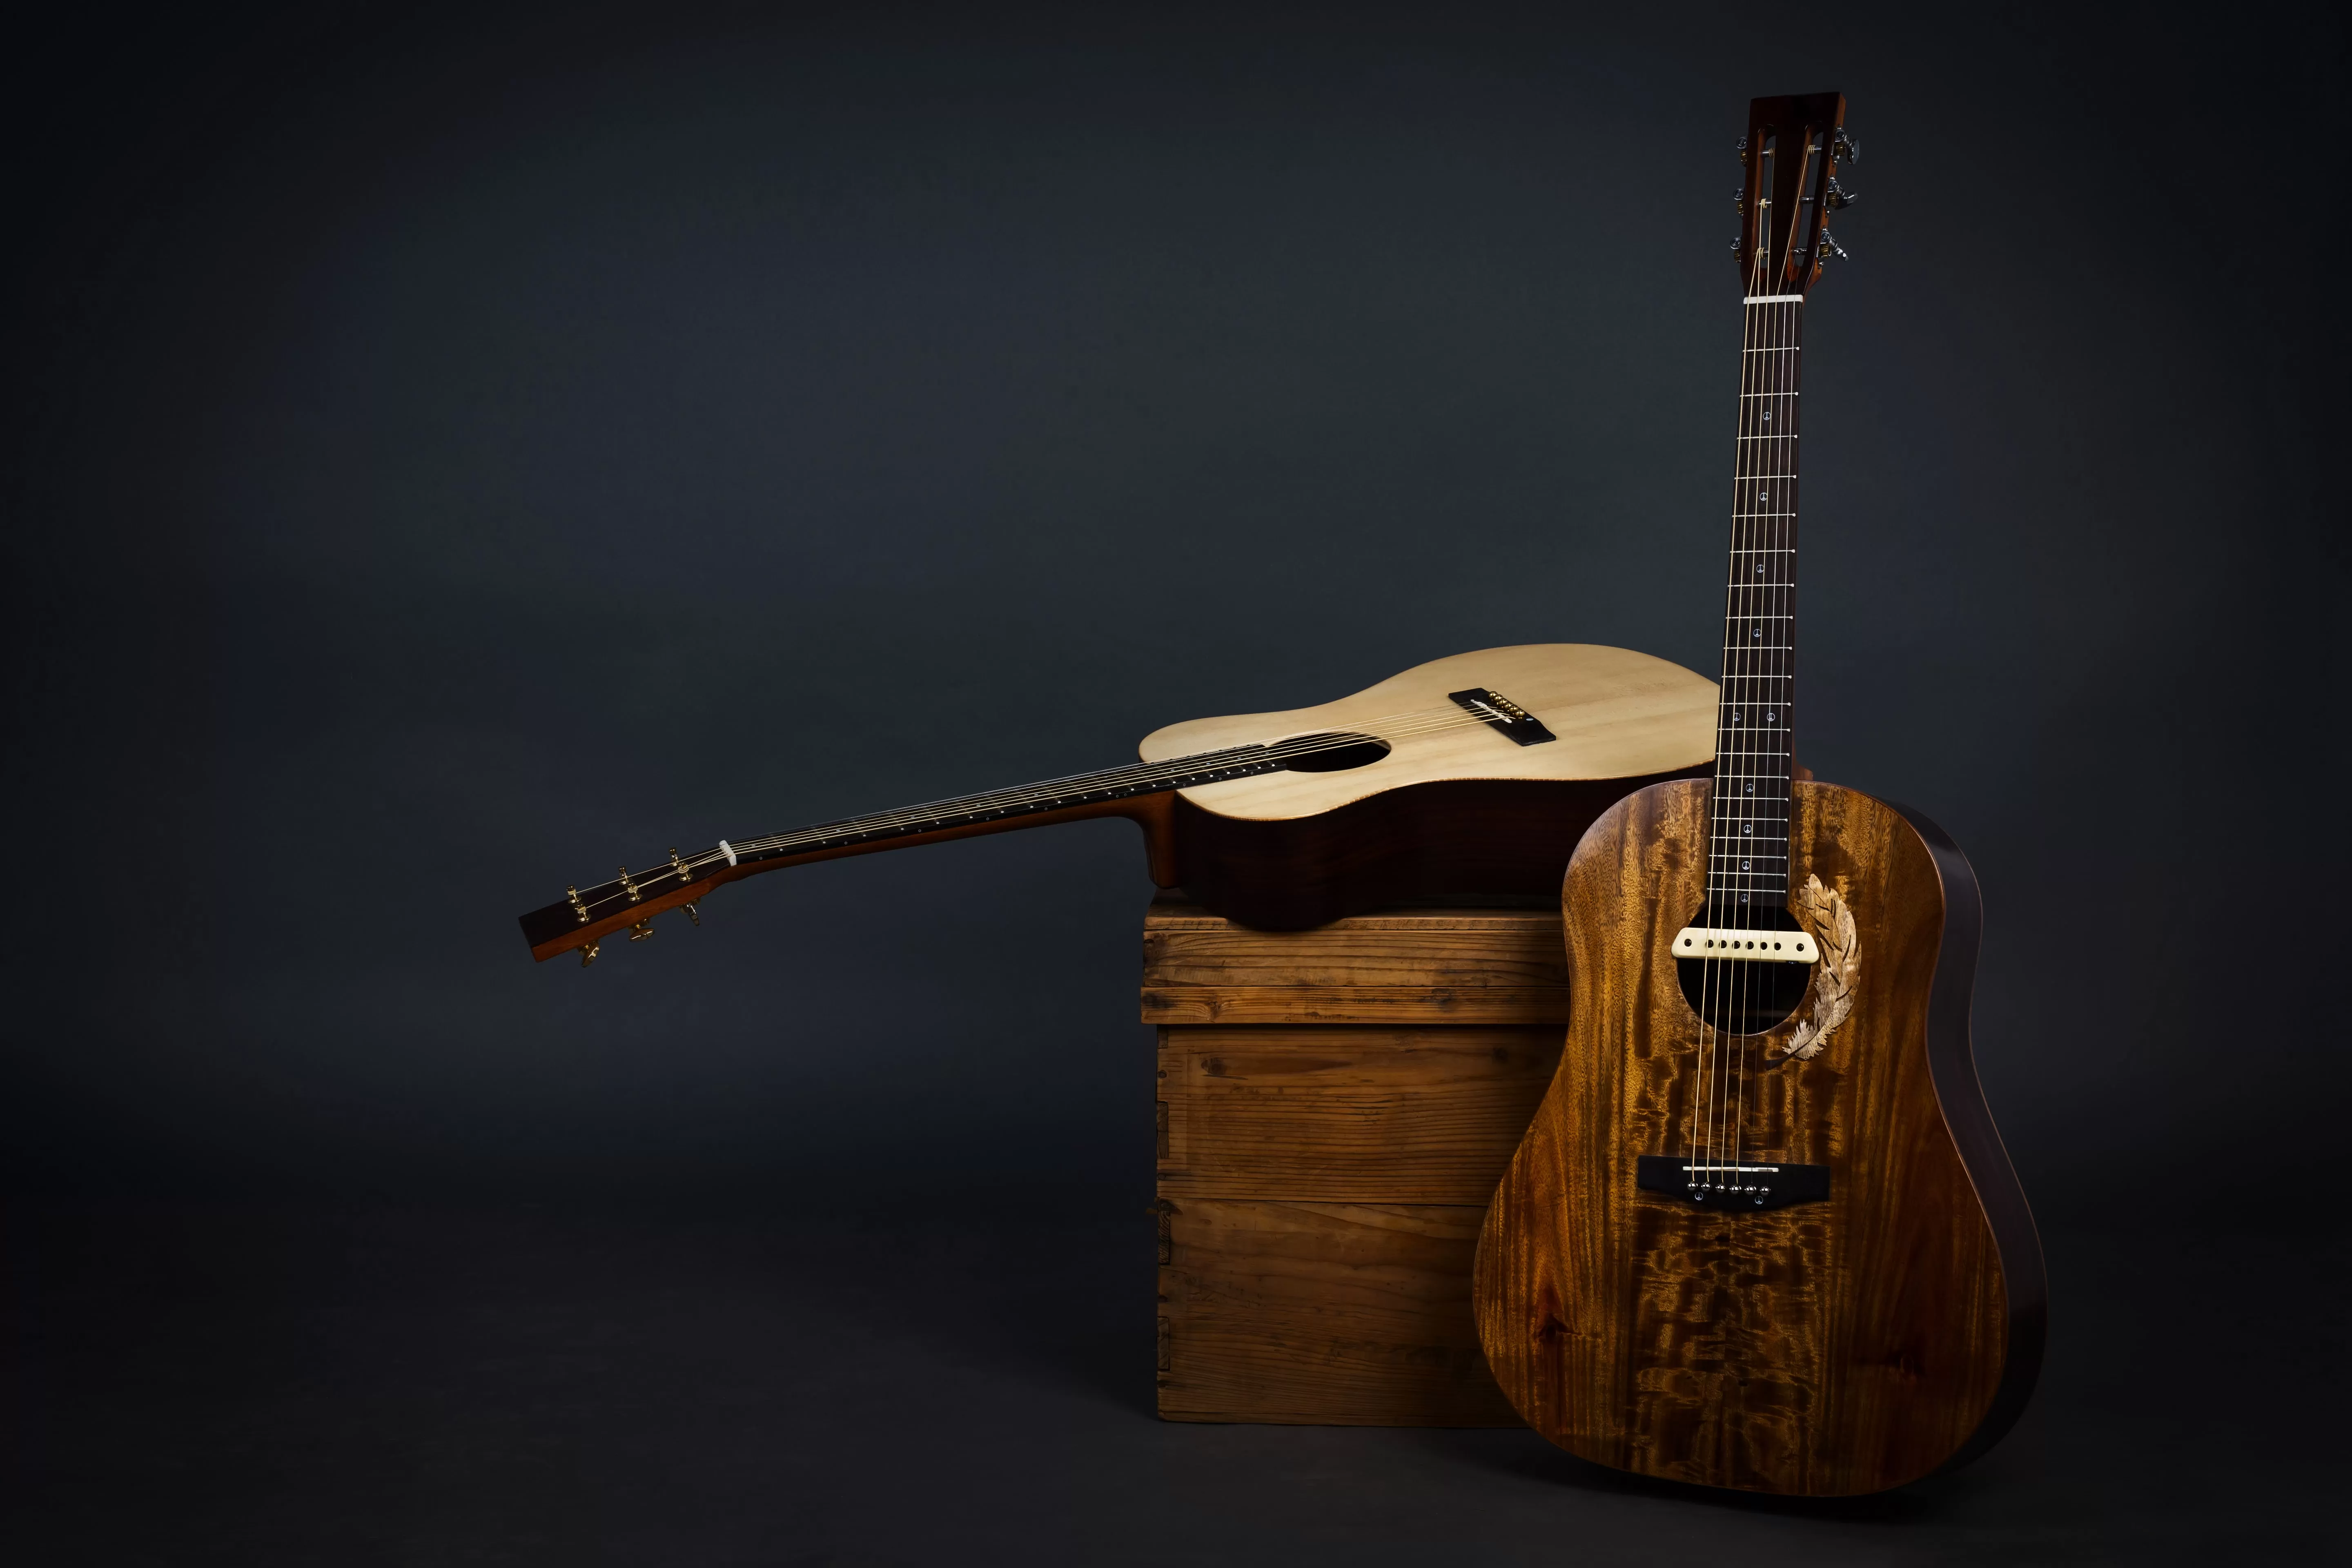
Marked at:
<point>1502,713</point>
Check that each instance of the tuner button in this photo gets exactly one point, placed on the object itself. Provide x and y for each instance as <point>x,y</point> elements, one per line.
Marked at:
<point>1830,247</point>
<point>1838,197</point>
<point>1741,152</point>
<point>1845,148</point>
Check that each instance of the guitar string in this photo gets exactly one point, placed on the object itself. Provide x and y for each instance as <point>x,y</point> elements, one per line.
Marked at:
<point>1433,720</point>
<point>1726,762</point>
<point>1788,373</point>
<point>1705,1101</point>
<point>1734,820</point>
<point>1785,528</point>
<point>1752,498</point>
<point>1756,495</point>
<point>1700,1122</point>
<point>1733,823</point>
<point>1785,372</point>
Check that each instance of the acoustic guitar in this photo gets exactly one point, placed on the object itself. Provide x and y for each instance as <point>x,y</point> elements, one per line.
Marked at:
<point>1468,776</point>
<point>1762,1233</point>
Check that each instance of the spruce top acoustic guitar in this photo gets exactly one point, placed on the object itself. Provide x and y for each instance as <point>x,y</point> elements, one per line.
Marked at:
<point>1472,775</point>
<point>1762,1233</point>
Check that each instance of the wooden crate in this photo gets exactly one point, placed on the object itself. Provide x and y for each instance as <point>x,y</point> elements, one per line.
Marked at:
<point>1336,1107</point>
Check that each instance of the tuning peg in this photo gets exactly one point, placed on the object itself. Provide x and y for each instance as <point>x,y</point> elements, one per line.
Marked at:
<point>1741,152</point>
<point>588,953</point>
<point>692,913</point>
<point>1845,148</point>
<point>1830,247</point>
<point>642,930</point>
<point>1838,197</point>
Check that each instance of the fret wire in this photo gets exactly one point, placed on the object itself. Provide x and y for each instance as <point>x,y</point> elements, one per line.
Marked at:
<point>1758,820</point>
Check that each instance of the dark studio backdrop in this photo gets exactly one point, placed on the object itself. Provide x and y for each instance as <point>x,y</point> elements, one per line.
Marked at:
<point>450,451</point>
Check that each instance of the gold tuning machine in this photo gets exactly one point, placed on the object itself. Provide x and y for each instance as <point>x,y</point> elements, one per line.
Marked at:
<point>642,930</point>
<point>588,953</point>
<point>692,913</point>
<point>678,865</point>
<point>577,907</point>
<point>631,884</point>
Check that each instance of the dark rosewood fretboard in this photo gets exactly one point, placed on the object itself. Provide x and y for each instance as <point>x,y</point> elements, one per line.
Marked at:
<point>1747,867</point>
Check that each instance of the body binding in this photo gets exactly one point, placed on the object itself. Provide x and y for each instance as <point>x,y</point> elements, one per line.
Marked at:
<point>1827,1348</point>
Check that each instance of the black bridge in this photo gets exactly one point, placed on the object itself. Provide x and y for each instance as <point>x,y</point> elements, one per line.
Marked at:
<point>1750,1185</point>
<point>1505,715</point>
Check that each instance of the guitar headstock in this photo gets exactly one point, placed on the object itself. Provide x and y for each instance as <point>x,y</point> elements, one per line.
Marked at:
<point>1790,157</point>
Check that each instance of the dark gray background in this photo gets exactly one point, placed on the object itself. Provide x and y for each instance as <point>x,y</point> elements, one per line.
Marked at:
<point>450,451</point>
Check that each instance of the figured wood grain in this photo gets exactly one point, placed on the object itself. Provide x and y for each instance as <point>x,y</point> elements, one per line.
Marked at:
<point>1347,1113</point>
<point>1348,1314</point>
<point>1407,966</point>
<point>1824,1349</point>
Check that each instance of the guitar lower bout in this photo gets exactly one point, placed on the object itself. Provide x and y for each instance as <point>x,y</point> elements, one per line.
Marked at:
<point>1714,1261</point>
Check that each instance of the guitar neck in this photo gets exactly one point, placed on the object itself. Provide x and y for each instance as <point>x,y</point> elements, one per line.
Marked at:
<point>1748,866</point>
<point>587,914</point>
<point>1109,786</point>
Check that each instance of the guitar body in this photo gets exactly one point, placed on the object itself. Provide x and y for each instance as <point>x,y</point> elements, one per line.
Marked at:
<point>1830,1347</point>
<point>1447,811</point>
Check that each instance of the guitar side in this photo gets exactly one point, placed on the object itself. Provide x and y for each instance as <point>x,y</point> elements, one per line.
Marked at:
<point>1827,1348</point>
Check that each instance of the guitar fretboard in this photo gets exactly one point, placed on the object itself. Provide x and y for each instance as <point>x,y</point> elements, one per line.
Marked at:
<point>1747,865</point>
<point>1051,794</point>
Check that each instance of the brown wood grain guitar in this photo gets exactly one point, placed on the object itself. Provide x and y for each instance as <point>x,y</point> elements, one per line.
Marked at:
<point>1762,1233</point>
<point>1472,775</point>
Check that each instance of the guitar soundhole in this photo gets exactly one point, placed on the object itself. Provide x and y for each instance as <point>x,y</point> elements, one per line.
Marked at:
<point>1333,753</point>
<point>1742,997</point>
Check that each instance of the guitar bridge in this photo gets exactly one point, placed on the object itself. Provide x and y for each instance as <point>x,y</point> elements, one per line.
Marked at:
<point>1504,715</point>
<point>1732,1184</point>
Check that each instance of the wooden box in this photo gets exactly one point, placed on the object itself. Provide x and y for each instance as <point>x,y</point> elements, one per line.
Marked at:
<point>1336,1108</point>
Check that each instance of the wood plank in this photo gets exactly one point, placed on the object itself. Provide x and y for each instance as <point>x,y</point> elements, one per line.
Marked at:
<point>1396,1005</point>
<point>1436,966</point>
<point>1347,1114</point>
<point>1327,1314</point>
